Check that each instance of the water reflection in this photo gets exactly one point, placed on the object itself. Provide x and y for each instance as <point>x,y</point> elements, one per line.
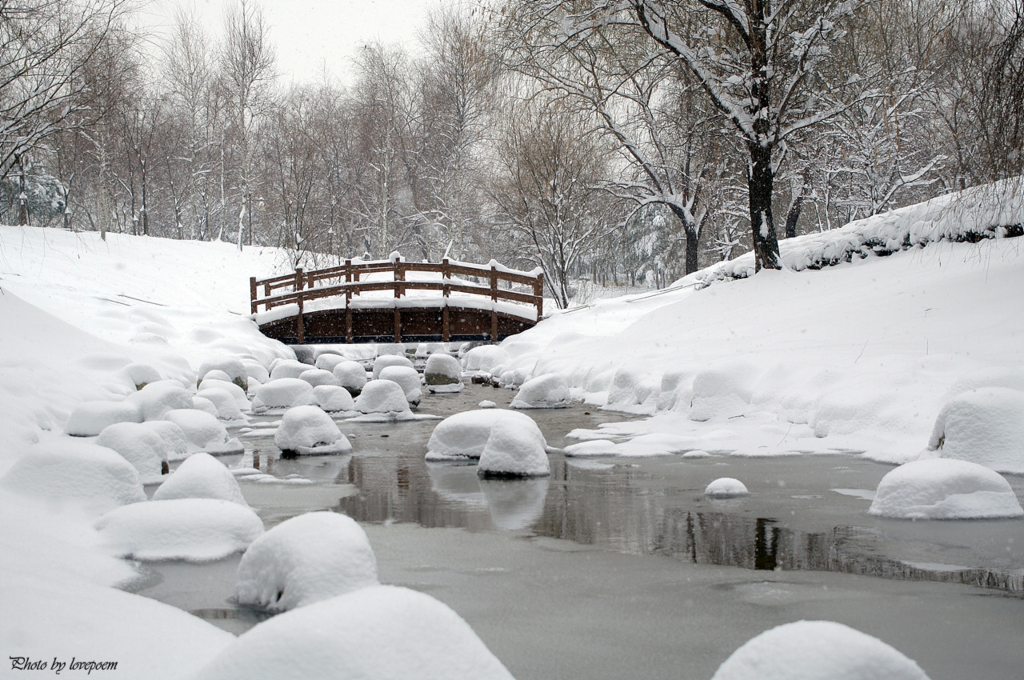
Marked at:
<point>515,503</point>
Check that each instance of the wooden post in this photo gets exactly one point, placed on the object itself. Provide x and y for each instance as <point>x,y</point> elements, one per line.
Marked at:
<point>348,271</point>
<point>446,291</point>
<point>299,280</point>
<point>398,277</point>
<point>348,325</point>
<point>446,277</point>
<point>398,326</point>
<point>494,303</point>
<point>252,293</point>
<point>538,290</point>
<point>300,330</point>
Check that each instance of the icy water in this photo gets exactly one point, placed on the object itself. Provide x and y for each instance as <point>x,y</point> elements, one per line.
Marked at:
<point>620,567</point>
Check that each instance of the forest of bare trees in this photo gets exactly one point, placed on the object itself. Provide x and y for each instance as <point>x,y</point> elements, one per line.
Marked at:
<point>619,142</point>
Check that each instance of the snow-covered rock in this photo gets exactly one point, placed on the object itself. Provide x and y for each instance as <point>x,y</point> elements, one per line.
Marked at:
<point>317,376</point>
<point>333,399</point>
<point>307,430</point>
<point>485,358</point>
<point>80,473</point>
<point>156,399</point>
<point>92,417</point>
<point>173,436</point>
<point>384,397</point>
<point>380,632</point>
<point>513,450</point>
<point>985,426</point>
<point>224,404</point>
<point>408,379</point>
<point>817,650</point>
<point>281,394</point>
<point>327,362</point>
<point>351,375</point>
<point>288,368</point>
<point>205,405</point>
<point>726,487</point>
<point>236,392</point>
<point>204,432</point>
<point>141,374</point>
<point>192,529</point>
<point>139,445</point>
<point>214,374</point>
<point>232,367</point>
<point>944,488</point>
<point>443,374</point>
<point>592,447</point>
<point>722,391</point>
<point>255,371</point>
<point>305,559</point>
<point>386,360</point>
<point>487,403</point>
<point>200,476</point>
<point>462,436</point>
<point>544,391</point>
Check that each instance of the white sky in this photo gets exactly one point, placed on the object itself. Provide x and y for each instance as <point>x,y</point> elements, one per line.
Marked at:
<point>308,34</point>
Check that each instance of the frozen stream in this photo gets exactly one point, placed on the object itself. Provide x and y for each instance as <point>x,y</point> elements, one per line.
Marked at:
<point>620,567</point>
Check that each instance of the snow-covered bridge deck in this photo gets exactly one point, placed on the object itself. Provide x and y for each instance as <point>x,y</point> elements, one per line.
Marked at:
<point>397,301</point>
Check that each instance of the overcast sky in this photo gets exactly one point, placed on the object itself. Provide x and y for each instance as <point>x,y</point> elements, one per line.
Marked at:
<point>310,33</point>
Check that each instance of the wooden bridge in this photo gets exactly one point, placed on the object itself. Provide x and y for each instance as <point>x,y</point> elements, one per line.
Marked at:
<point>370,302</point>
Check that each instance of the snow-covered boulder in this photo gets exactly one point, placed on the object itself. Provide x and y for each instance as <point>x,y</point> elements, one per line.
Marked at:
<point>384,397</point>
<point>156,399</point>
<point>230,366</point>
<point>443,374</point>
<point>255,371</point>
<point>316,376</point>
<point>288,368</point>
<point>92,417</point>
<point>544,391</point>
<point>984,426</point>
<point>77,472</point>
<point>281,394</point>
<point>512,378</point>
<point>305,559</point>
<point>817,650</point>
<point>237,393</point>
<point>204,432</point>
<point>513,450</point>
<point>192,529</point>
<point>333,399</point>
<point>485,358</point>
<point>726,487</point>
<point>215,374</point>
<point>380,632</point>
<point>351,375</point>
<point>463,436</point>
<point>385,360</point>
<point>307,430</point>
<point>944,488</point>
<point>173,436</point>
<point>201,476</point>
<point>139,445</point>
<point>205,405</point>
<point>722,391</point>
<point>592,448</point>
<point>141,374</point>
<point>327,362</point>
<point>408,379</point>
<point>224,404</point>
<point>487,403</point>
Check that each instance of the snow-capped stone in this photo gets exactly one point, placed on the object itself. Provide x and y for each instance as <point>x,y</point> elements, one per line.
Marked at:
<point>156,399</point>
<point>255,371</point>
<point>443,374</point>
<point>236,392</point>
<point>92,417</point>
<point>592,447</point>
<point>288,368</point>
<point>307,430</point>
<point>485,358</point>
<point>192,529</point>
<point>722,391</point>
<point>463,435</point>
<point>139,445</point>
<point>77,472</point>
<point>382,632</point>
<point>333,399</point>
<point>512,450</point>
<point>817,650</point>
<point>172,435</point>
<point>215,374</point>
<point>205,405</point>
<point>512,378</point>
<point>141,374</point>
<point>944,488</point>
<point>384,397</point>
<point>486,403</point>
<point>200,476</point>
<point>984,426</point>
<point>305,559</point>
<point>204,432</point>
<point>316,376</point>
<point>408,379</point>
<point>386,360</point>
<point>726,487</point>
<point>281,394</point>
<point>225,406</point>
<point>544,391</point>
<point>327,362</point>
<point>229,366</point>
<point>351,375</point>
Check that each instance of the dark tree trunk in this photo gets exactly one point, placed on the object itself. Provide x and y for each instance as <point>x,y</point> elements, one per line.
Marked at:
<point>692,234</point>
<point>762,223</point>
<point>794,215</point>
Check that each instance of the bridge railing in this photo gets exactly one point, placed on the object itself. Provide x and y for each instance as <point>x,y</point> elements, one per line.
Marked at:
<point>303,286</point>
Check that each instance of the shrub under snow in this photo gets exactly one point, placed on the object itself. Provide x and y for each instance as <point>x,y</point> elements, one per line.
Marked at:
<point>307,430</point>
<point>384,397</point>
<point>281,394</point>
<point>92,417</point>
<point>139,445</point>
<point>463,436</point>
<point>305,559</point>
<point>545,391</point>
<point>201,476</point>
<point>943,488</point>
<point>984,426</point>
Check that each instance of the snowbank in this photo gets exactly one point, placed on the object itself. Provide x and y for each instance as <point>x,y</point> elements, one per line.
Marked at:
<point>463,436</point>
<point>985,426</point>
<point>305,559</point>
<point>307,430</point>
<point>201,476</point>
<point>942,488</point>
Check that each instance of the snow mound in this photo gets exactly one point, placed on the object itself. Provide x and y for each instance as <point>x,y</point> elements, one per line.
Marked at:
<point>231,366</point>
<point>333,399</point>
<point>386,360</point>
<point>380,632</point>
<point>317,376</point>
<point>77,472</point>
<point>994,376</point>
<point>307,430</point>
<point>463,436</point>
<point>328,361</point>
<point>141,446</point>
<point>224,405</point>
<point>443,373</point>
<point>141,374</point>
<point>205,405</point>
<point>984,426</point>
<point>351,375</point>
<point>944,488</point>
<point>513,451</point>
<point>303,560</point>
<point>593,447</point>
<point>545,391</point>
<point>156,399</point>
<point>486,359</point>
<point>817,650</point>
<point>204,432</point>
<point>192,529</point>
<point>487,403</point>
<point>92,417</point>
<point>385,397</point>
<point>288,368</point>
<point>236,392</point>
<point>201,476</point>
<point>255,371</point>
<point>173,436</point>
<point>722,391</point>
<point>281,394</point>
<point>408,379</point>
<point>726,487</point>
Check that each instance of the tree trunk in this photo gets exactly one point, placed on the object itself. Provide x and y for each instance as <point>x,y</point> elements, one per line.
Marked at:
<point>762,223</point>
<point>794,215</point>
<point>692,234</point>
